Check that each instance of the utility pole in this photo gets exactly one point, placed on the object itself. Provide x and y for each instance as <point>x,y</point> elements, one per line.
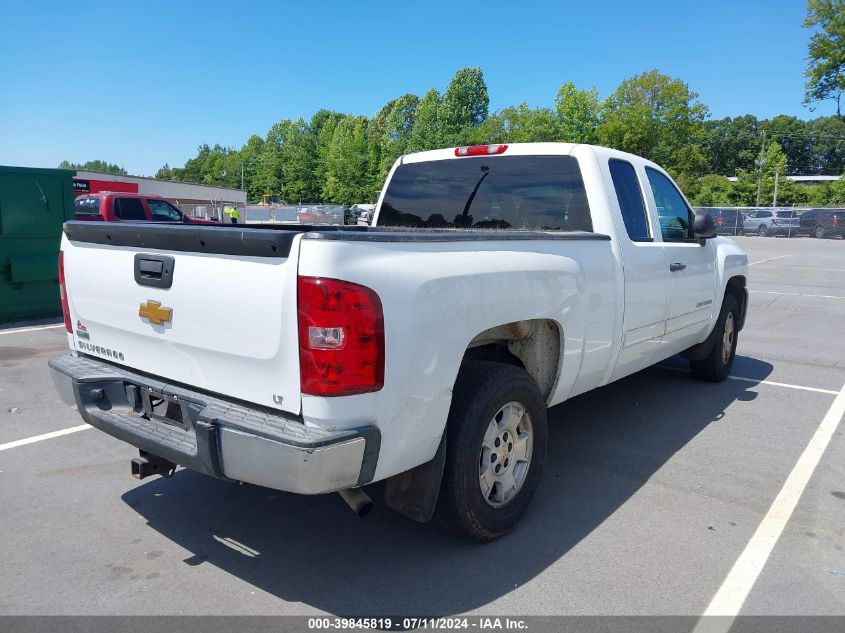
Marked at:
<point>762,161</point>
<point>242,175</point>
<point>777,173</point>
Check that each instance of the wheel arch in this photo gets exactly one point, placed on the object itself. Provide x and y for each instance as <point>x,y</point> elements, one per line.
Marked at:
<point>536,345</point>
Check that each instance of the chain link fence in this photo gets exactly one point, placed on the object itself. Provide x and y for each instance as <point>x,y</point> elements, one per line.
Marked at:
<point>771,222</point>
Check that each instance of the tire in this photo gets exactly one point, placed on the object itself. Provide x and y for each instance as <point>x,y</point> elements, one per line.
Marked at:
<point>763,231</point>
<point>818,231</point>
<point>486,404</point>
<point>717,365</point>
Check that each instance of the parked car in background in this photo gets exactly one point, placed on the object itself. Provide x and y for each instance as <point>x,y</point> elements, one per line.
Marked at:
<point>728,221</point>
<point>107,206</point>
<point>354,212</point>
<point>823,222</point>
<point>767,222</point>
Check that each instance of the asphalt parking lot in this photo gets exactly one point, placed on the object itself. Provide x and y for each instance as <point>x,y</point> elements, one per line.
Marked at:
<point>654,488</point>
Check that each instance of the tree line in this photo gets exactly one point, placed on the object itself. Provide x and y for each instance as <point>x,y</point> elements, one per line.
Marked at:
<point>344,158</point>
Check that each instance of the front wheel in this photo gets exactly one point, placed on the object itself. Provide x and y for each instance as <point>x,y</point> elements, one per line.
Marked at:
<point>495,450</point>
<point>716,366</point>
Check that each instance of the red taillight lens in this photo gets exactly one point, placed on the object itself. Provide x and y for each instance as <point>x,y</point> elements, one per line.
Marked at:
<point>480,150</point>
<point>341,338</point>
<point>835,220</point>
<point>63,292</point>
<point>720,220</point>
<point>775,221</point>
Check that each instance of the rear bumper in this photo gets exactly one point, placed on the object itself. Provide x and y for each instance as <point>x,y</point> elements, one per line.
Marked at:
<point>216,437</point>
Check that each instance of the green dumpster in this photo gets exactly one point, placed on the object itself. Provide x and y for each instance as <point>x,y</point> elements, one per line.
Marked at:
<point>34,203</point>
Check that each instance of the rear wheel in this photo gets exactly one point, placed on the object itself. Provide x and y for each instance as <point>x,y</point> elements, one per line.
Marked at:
<point>819,231</point>
<point>716,366</point>
<point>763,231</point>
<point>495,450</point>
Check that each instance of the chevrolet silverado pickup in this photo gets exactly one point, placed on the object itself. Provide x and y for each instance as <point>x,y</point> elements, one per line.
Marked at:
<point>422,351</point>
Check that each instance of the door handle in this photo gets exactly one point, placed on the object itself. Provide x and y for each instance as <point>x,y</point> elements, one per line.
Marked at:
<point>676,267</point>
<point>154,270</point>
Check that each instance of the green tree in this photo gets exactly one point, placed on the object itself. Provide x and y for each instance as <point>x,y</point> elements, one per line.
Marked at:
<point>392,126</point>
<point>465,105</point>
<point>298,157</point>
<point>347,177</point>
<point>834,193</point>
<point>825,71</point>
<point>731,144</point>
<point>578,112</point>
<point>827,138</point>
<point>323,125</point>
<point>653,115</point>
<point>95,165</point>
<point>793,136</point>
<point>426,131</point>
<point>250,155</point>
<point>519,124</point>
<point>711,190</point>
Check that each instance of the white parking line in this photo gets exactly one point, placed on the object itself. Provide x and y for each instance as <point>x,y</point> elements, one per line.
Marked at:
<point>783,384</point>
<point>30,329</point>
<point>45,436</point>
<point>796,294</point>
<point>732,594</point>
<point>762,261</point>
<point>761,382</point>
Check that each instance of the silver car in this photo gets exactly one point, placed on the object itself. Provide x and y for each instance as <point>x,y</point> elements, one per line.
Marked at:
<point>767,222</point>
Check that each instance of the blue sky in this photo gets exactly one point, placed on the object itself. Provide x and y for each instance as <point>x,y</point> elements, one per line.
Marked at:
<point>143,83</point>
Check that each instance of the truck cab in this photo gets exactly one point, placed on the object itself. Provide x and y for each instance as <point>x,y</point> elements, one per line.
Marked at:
<point>108,206</point>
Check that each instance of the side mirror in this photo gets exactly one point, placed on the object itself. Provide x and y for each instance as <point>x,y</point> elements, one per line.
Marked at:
<point>704,227</point>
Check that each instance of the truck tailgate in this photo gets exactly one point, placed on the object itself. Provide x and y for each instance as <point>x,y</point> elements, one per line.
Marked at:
<point>209,307</point>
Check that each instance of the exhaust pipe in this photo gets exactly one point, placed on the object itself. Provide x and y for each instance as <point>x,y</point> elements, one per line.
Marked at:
<point>357,500</point>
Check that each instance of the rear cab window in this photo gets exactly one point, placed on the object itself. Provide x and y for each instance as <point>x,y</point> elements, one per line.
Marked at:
<point>129,209</point>
<point>539,193</point>
<point>630,198</point>
<point>87,206</point>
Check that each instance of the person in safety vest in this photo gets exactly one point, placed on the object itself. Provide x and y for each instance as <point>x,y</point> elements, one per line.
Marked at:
<point>232,212</point>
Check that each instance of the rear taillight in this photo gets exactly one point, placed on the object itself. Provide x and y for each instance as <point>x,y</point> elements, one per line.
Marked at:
<point>835,220</point>
<point>63,292</point>
<point>341,338</point>
<point>775,221</point>
<point>720,220</point>
<point>480,150</point>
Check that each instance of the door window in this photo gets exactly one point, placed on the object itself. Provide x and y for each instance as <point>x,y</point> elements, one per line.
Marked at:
<point>630,198</point>
<point>675,216</point>
<point>164,211</point>
<point>129,209</point>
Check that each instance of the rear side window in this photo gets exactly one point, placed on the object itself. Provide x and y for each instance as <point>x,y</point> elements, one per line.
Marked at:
<point>87,206</point>
<point>544,193</point>
<point>786,214</point>
<point>630,199</point>
<point>129,209</point>
<point>675,216</point>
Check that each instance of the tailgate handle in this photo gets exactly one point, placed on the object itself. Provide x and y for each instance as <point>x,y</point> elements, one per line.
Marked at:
<point>154,270</point>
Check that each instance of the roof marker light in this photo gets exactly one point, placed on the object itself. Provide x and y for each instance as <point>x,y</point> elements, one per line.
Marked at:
<point>480,150</point>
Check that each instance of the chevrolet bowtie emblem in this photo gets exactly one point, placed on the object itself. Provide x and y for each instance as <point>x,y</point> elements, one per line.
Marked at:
<point>154,313</point>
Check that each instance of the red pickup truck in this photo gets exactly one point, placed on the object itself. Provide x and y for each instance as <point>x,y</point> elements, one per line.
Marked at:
<point>132,207</point>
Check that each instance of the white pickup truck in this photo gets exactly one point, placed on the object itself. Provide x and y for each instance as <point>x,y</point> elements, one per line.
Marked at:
<point>497,281</point>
